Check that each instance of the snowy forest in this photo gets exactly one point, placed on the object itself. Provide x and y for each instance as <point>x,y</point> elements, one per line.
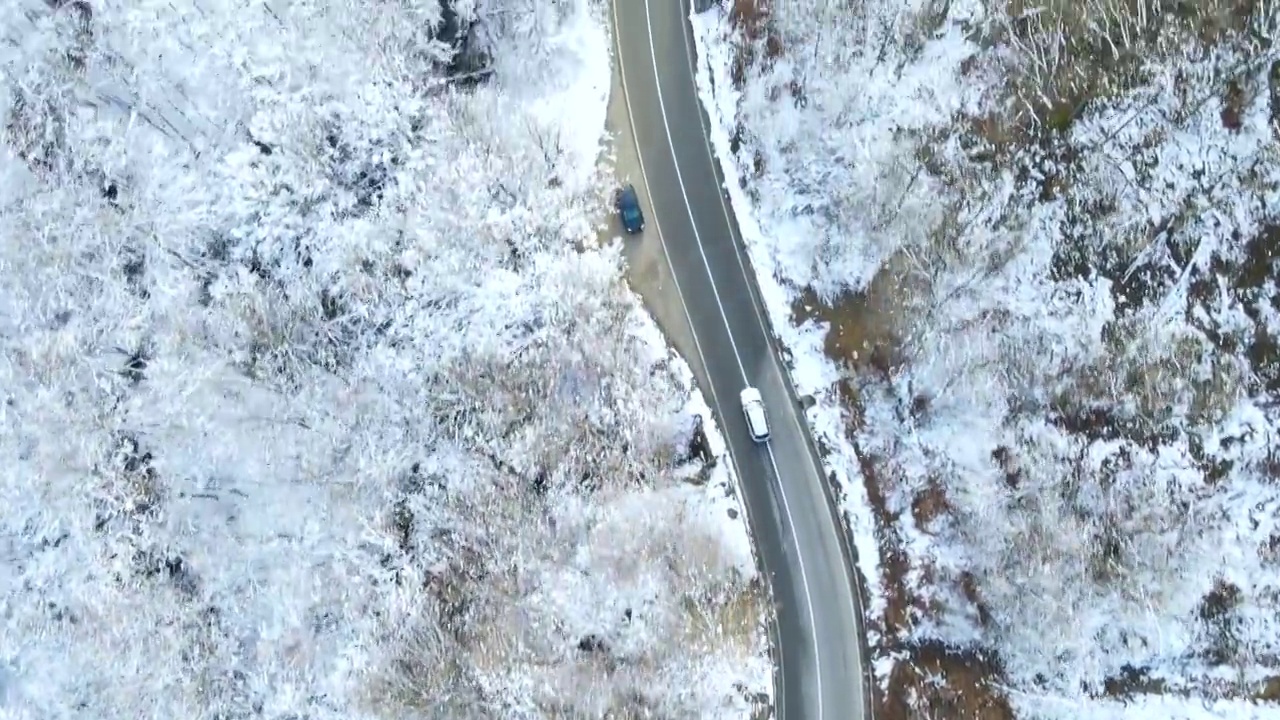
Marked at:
<point>1040,243</point>
<point>321,396</point>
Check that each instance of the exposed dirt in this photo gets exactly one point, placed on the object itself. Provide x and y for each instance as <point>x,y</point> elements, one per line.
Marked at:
<point>1268,690</point>
<point>929,505</point>
<point>939,683</point>
<point>900,604</point>
<point>930,681</point>
<point>861,335</point>
<point>751,17</point>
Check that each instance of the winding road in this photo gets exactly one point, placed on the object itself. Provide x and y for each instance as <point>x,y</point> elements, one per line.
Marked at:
<point>800,542</point>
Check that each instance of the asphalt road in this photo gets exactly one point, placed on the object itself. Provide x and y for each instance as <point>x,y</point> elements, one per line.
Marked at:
<point>800,543</point>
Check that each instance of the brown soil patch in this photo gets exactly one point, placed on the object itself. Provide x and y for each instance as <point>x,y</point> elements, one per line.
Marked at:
<point>939,683</point>
<point>1268,690</point>
<point>929,505</point>
<point>1261,267</point>
<point>751,18</point>
<point>1234,101</point>
<point>900,605</point>
<point>861,334</point>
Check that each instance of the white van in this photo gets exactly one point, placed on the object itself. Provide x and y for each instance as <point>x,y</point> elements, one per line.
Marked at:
<point>753,408</point>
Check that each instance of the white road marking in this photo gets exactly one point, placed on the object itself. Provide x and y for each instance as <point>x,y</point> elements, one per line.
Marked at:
<point>856,605</point>
<point>715,400</point>
<point>782,492</point>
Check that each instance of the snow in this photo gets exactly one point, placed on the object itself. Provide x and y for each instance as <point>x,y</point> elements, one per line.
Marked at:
<point>580,106</point>
<point>1083,326</point>
<point>1148,707</point>
<point>313,404</point>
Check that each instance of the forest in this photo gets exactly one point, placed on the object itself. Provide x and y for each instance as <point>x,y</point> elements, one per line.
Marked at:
<point>323,396</point>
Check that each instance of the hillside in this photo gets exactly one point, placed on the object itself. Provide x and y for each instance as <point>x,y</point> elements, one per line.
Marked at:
<point>1025,258</point>
<point>320,398</point>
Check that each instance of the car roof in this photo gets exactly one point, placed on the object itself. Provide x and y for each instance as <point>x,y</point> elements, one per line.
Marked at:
<point>629,193</point>
<point>757,420</point>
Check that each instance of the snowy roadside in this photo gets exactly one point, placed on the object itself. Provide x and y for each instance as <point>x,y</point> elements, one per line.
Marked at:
<point>812,372</point>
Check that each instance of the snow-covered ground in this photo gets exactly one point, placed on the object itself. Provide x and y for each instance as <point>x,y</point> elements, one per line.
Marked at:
<point>314,403</point>
<point>1074,435</point>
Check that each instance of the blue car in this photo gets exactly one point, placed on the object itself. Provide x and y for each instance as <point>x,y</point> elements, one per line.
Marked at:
<point>627,204</point>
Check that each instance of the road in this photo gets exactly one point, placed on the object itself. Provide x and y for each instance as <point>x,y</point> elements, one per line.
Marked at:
<point>800,543</point>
